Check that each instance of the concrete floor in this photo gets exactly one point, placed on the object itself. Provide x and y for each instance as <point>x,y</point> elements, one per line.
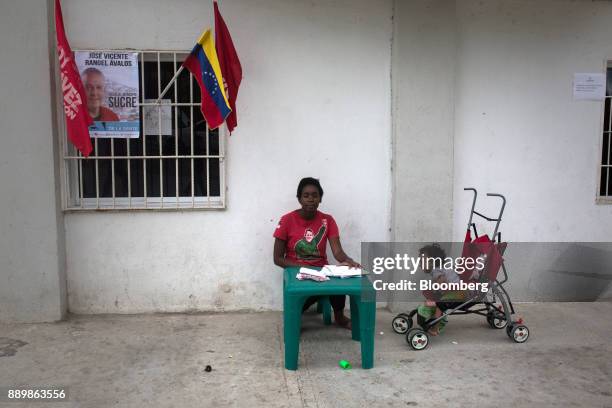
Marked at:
<point>159,361</point>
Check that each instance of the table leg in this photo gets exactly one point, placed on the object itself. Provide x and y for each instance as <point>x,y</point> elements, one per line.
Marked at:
<point>367,321</point>
<point>355,321</point>
<point>326,308</point>
<point>292,317</point>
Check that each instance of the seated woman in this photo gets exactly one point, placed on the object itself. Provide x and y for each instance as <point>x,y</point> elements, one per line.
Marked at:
<point>301,240</point>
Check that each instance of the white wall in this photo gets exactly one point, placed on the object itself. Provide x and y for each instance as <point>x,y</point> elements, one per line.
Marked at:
<point>481,97</point>
<point>423,119</point>
<point>314,101</point>
<point>518,131</point>
<point>32,281</point>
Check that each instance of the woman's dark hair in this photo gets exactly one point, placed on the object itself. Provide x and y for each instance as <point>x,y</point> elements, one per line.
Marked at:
<point>309,181</point>
<point>433,251</point>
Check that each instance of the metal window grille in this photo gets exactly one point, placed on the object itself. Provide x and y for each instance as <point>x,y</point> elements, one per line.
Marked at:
<point>605,179</point>
<point>178,170</point>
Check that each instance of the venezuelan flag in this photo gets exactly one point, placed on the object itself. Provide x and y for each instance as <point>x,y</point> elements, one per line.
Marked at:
<point>203,64</point>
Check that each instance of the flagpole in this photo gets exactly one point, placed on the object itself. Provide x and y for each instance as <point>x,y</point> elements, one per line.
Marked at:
<point>173,80</point>
<point>213,19</point>
<point>158,101</point>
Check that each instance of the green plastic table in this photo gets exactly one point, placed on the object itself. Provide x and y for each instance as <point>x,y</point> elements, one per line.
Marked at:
<point>363,311</point>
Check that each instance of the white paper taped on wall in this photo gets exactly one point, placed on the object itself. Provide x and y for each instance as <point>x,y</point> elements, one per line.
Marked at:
<point>589,87</point>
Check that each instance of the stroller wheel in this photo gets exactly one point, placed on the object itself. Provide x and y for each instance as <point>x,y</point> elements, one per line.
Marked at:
<point>401,323</point>
<point>417,339</point>
<point>496,320</point>
<point>519,333</point>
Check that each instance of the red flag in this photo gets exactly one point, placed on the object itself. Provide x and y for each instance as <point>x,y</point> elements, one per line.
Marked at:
<point>230,65</point>
<point>75,100</point>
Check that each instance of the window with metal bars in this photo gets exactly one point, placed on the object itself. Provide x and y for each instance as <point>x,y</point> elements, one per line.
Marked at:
<point>177,167</point>
<point>605,171</point>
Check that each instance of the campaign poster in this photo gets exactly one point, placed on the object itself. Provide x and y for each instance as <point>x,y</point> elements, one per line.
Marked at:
<point>110,79</point>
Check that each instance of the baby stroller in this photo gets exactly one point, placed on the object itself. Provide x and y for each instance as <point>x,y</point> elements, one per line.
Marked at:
<point>495,304</point>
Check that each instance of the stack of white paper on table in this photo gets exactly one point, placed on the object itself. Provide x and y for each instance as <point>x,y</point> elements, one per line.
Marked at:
<point>341,271</point>
<point>336,271</point>
<point>311,274</point>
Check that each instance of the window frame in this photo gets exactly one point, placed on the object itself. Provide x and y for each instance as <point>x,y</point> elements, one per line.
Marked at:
<point>604,199</point>
<point>74,182</point>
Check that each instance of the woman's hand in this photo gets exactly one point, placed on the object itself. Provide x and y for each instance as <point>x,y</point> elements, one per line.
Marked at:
<point>350,263</point>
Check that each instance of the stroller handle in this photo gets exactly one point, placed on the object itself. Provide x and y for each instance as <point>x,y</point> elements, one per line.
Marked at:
<point>496,195</point>
<point>472,212</point>
<point>472,189</point>
<point>501,211</point>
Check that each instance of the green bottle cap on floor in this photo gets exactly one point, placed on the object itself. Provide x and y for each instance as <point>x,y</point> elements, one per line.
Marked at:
<point>345,365</point>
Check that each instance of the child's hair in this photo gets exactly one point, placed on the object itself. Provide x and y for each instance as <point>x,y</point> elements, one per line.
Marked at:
<point>434,257</point>
<point>434,251</point>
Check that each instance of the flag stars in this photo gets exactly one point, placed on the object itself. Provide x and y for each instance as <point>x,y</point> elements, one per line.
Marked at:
<point>214,79</point>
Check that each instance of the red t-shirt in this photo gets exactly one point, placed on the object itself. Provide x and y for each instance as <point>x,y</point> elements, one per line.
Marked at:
<point>306,240</point>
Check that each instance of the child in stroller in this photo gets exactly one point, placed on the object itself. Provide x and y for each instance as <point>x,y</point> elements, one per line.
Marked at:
<point>436,303</point>
<point>495,305</point>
